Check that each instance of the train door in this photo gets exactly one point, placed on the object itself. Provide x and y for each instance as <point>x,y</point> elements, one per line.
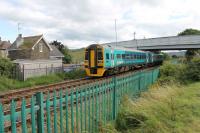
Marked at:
<point>92,58</point>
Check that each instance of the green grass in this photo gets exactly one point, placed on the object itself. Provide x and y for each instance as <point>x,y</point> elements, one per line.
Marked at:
<point>166,109</point>
<point>77,55</point>
<point>7,84</point>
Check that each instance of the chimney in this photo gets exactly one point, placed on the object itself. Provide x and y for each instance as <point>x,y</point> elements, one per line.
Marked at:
<point>20,35</point>
<point>19,40</point>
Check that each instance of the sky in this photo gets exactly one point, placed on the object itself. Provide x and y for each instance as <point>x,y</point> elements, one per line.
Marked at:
<point>79,23</point>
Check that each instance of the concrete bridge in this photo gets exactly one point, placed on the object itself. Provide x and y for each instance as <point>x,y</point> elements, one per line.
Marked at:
<point>162,43</point>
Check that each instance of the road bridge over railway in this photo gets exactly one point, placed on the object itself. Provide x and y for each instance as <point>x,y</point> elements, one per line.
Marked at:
<point>162,43</point>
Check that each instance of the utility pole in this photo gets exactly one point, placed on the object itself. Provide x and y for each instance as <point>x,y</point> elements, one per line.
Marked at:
<point>134,35</point>
<point>115,32</point>
<point>19,28</point>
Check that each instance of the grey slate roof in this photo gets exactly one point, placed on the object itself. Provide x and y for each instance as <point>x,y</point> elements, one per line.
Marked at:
<point>55,52</point>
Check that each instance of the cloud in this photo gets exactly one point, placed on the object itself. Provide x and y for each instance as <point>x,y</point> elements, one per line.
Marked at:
<point>78,23</point>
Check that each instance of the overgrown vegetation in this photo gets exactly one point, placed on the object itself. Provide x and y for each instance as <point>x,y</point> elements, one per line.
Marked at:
<point>64,50</point>
<point>8,84</point>
<point>166,109</point>
<point>6,67</point>
<point>182,72</point>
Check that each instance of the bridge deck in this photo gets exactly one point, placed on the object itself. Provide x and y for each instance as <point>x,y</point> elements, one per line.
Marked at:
<point>162,43</point>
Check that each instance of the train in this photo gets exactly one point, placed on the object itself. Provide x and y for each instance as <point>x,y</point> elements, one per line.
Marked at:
<point>104,60</point>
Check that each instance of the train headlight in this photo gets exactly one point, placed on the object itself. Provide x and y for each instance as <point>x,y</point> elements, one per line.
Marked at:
<point>100,61</point>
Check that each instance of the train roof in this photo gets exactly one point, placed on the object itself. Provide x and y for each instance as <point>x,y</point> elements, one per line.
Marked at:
<point>121,48</point>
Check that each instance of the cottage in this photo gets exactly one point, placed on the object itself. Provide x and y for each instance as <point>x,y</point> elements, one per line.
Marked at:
<point>31,47</point>
<point>4,45</point>
<point>34,56</point>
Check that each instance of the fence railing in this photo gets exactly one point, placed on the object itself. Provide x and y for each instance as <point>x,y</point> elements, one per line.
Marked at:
<point>23,74</point>
<point>77,110</point>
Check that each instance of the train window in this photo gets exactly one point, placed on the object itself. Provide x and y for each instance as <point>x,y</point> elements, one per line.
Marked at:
<point>107,56</point>
<point>86,55</point>
<point>100,55</point>
<point>123,56</point>
<point>131,56</point>
<point>127,56</point>
<point>118,56</point>
<point>135,57</point>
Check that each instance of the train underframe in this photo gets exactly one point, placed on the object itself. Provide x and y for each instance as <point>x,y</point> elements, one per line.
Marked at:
<point>120,69</point>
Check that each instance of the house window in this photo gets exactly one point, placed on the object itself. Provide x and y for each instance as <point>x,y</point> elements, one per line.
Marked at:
<point>40,47</point>
<point>118,56</point>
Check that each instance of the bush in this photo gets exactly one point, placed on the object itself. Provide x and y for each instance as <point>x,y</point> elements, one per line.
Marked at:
<point>6,67</point>
<point>180,72</point>
<point>193,70</point>
<point>127,119</point>
<point>170,72</point>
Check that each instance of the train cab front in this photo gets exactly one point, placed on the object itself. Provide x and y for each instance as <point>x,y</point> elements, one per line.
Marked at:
<point>94,61</point>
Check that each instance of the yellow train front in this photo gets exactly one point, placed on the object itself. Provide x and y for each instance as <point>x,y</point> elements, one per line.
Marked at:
<point>94,60</point>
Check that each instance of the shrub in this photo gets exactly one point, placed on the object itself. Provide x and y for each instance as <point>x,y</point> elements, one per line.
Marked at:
<point>6,67</point>
<point>170,72</point>
<point>193,70</point>
<point>127,119</point>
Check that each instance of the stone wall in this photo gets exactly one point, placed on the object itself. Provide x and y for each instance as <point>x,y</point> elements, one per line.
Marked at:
<point>3,53</point>
<point>37,54</point>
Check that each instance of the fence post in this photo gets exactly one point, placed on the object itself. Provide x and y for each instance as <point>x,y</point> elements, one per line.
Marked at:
<point>114,97</point>
<point>40,112</point>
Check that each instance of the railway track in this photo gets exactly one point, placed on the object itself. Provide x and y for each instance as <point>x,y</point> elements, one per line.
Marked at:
<point>17,95</point>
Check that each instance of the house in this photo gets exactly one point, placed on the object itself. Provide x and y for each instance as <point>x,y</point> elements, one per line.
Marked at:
<point>4,45</point>
<point>31,47</point>
<point>34,56</point>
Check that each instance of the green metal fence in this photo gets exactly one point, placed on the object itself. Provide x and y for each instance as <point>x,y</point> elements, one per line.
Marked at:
<point>76,110</point>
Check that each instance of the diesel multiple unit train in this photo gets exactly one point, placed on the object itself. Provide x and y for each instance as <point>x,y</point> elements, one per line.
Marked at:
<point>102,60</point>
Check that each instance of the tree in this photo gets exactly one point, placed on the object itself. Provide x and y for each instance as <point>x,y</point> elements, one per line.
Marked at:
<point>64,50</point>
<point>193,52</point>
<point>189,32</point>
<point>166,56</point>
